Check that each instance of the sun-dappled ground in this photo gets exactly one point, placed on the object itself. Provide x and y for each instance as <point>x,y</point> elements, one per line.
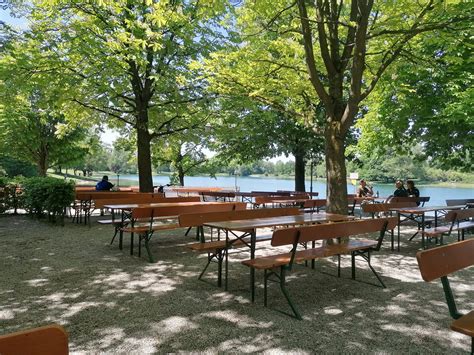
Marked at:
<point>112,302</point>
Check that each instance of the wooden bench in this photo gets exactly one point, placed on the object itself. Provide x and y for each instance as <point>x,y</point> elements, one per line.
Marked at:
<point>314,205</point>
<point>143,221</point>
<point>383,210</point>
<point>264,200</point>
<point>439,263</point>
<point>321,232</point>
<point>461,201</point>
<point>457,221</point>
<point>47,340</point>
<point>217,195</point>
<point>418,200</point>
<point>218,250</point>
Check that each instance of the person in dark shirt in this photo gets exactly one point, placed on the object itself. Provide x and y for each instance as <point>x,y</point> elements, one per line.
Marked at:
<point>364,190</point>
<point>400,191</point>
<point>104,185</point>
<point>412,190</point>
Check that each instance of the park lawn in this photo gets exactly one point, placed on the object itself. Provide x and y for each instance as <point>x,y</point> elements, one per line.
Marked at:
<point>112,302</point>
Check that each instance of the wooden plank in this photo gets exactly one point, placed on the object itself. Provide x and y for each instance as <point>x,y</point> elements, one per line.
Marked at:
<point>51,340</point>
<point>444,260</point>
<point>306,218</point>
<point>333,230</point>
<point>198,219</point>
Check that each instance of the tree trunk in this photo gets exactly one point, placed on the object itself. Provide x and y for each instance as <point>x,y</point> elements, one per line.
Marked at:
<point>336,187</point>
<point>181,176</point>
<point>299,171</point>
<point>42,165</point>
<point>144,158</point>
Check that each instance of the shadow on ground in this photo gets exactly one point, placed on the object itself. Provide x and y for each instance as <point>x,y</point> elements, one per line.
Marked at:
<point>112,302</point>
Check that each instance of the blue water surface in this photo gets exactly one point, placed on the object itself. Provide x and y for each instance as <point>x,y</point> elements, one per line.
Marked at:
<point>438,195</point>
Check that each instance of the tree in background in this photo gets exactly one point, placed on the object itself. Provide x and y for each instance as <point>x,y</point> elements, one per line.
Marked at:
<point>426,101</point>
<point>33,127</point>
<point>357,41</point>
<point>129,62</point>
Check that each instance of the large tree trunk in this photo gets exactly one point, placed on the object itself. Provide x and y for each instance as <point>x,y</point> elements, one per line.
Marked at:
<point>336,187</point>
<point>42,163</point>
<point>144,157</point>
<point>299,171</point>
<point>181,176</point>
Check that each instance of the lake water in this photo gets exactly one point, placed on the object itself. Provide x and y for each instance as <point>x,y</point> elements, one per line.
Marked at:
<point>438,194</point>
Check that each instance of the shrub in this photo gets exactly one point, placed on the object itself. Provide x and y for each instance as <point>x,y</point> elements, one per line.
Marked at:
<point>9,194</point>
<point>47,195</point>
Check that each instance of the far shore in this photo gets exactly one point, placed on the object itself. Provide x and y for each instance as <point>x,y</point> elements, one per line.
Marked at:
<point>79,180</point>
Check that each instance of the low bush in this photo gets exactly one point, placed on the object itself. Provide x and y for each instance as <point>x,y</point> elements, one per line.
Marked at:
<point>41,195</point>
<point>9,195</point>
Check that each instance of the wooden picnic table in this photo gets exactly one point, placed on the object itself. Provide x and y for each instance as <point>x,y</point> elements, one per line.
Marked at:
<point>289,202</point>
<point>408,213</point>
<point>165,209</point>
<point>250,226</point>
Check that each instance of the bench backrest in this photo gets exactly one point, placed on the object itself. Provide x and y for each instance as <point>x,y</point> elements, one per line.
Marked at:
<point>198,219</point>
<point>462,201</point>
<point>315,203</point>
<point>151,212</point>
<point>385,207</point>
<point>270,199</point>
<point>444,260</point>
<point>457,215</point>
<point>287,236</point>
<point>98,195</point>
<point>145,199</point>
<point>51,340</point>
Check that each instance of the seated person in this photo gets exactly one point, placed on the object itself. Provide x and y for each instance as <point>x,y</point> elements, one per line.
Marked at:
<point>104,185</point>
<point>400,191</point>
<point>412,190</point>
<point>364,190</point>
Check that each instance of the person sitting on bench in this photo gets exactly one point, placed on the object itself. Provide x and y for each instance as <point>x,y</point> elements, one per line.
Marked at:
<point>104,184</point>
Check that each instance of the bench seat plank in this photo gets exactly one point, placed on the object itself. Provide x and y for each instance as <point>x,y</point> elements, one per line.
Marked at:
<point>445,229</point>
<point>157,227</point>
<point>273,261</point>
<point>221,244</point>
<point>465,324</point>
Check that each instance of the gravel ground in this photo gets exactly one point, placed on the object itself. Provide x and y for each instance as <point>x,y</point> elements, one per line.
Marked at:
<point>111,302</point>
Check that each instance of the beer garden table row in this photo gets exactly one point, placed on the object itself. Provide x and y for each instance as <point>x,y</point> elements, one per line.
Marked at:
<point>250,226</point>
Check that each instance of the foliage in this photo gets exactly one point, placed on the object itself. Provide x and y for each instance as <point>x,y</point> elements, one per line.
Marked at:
<point>33,127</point>
<point>44,194</point>
<point>14,167</point>
<point>129,62</point>
<point>428,100</point>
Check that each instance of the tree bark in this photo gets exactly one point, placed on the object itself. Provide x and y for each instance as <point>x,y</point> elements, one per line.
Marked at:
<point>144,154</point>
<point>42,165</point>
<point>299,171</point>
<point>336,187</point>
<point>181,176</point>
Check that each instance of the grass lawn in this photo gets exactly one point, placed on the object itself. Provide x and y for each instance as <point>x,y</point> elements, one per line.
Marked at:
<point>112,302</point>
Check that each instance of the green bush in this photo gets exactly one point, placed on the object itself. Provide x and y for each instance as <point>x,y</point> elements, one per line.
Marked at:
<point>47,195</point>
<point>9,195</point>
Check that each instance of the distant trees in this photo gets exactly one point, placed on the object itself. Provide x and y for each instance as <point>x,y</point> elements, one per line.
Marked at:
<point>129,62</point>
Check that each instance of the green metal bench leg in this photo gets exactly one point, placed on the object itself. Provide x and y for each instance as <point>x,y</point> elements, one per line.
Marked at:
<point>287,295</point>
<point>131,244</point>
<point>338,265</point>
<point>353,265</point>
<point>140,245</point>
<point>265,283</point>
<point>219,269</point>
<point>373,270</point>
<point>209,259</point>
<point>147,247</point>
<point>113,238</point>
<point>226,251</point>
